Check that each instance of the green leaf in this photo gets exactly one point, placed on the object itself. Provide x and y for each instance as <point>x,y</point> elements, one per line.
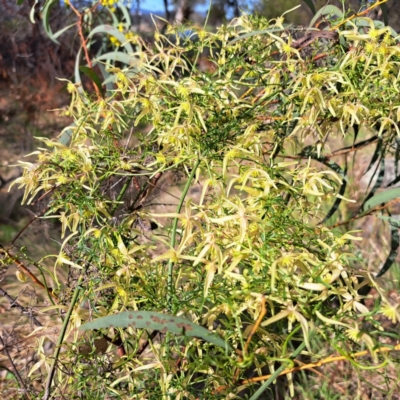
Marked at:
<point>46,17</point>
<point>382,197</point>
<point>338,200</point>
<point>377,153</point>
<point>77,72</point>
<point>110,30</point>
<point>394,245</point>
<point>93,76</point>
<point>310,5</point>
<point>156,321</point>
<point>120,56</point>
<point>378,182</point>
<point>19,2</point>
<point>385,13</point>
<point>66,135</point>
<point>106,76</point>
<point>392,221</point>
<point>126,15</point>
<point>361,144</point>
<point>327,10</point>
<point>32,13</point>
<point>61,31</point>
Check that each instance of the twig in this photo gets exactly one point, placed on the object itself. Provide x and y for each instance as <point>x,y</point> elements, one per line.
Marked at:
<point>257,324</point>
<point>61,339</point>
<point>327,360</point>
<point>369,212</point>
<point>29,223</point>
<point>24,310</point>
<point>359,14</point>
<point>253,331</point>
<point>84,41</point>
<point>20,380</point>
<point>27,271</point>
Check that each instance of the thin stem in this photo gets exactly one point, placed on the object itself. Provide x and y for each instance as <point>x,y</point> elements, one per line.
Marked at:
<point>16,373</point>
<point>173,236</point>
<point>61,338</point>
<point>278,372</point>
<point>24,310</point>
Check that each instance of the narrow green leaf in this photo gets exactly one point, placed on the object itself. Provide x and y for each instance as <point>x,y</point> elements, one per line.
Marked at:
<point>327,10</point>
<point>119,56</point>
<point>106,76</point>
<point>378,182</point>
<point>310,5</point>
<point>394,181</point>
<point>126,14</point>
<point>93,76</point>
<point>392,221</point>
<point>156,321</point>
<point>19,2</point>
<point>61,31</point>
<point>77,72</point>
<point>110,30</point>
<point>338,200</point>
<point>357,145</point>
<point>376,155</point>
<point>382,197</point>
<point>46,18</point>
<point>394,245</point>
<point>385,13</point>
<point>32,12</point>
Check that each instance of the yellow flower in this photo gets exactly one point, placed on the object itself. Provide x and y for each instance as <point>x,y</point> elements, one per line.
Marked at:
<point>390,311</point>
<point>114,41</point>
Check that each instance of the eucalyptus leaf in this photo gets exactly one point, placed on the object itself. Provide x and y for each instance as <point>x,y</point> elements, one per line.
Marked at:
<point>310,5</point>
<point>94,77</point>
<point>392,221</point>
<point>119,56</point>
<point>394,246</point>
<point>46,19</point>
<point>110,30</point>
<point>378,182</point>
<point>385,13</point>
<point>32,12</point>
<point>382,197</point>
<point>327,10</point>
<point>156,321</point>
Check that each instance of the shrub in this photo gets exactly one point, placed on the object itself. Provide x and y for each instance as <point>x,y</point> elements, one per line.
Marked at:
<point>244,249</point>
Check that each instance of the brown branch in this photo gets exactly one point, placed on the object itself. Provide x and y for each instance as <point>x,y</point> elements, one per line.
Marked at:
<point>22,267</point>
<point>359,14</point>
<point>253,331</point>
<point>327,360</point>
<point>84,41</point>
<point>369,212</point>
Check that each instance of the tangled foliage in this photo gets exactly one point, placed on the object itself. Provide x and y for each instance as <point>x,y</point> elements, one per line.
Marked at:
<point>254,233</point>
